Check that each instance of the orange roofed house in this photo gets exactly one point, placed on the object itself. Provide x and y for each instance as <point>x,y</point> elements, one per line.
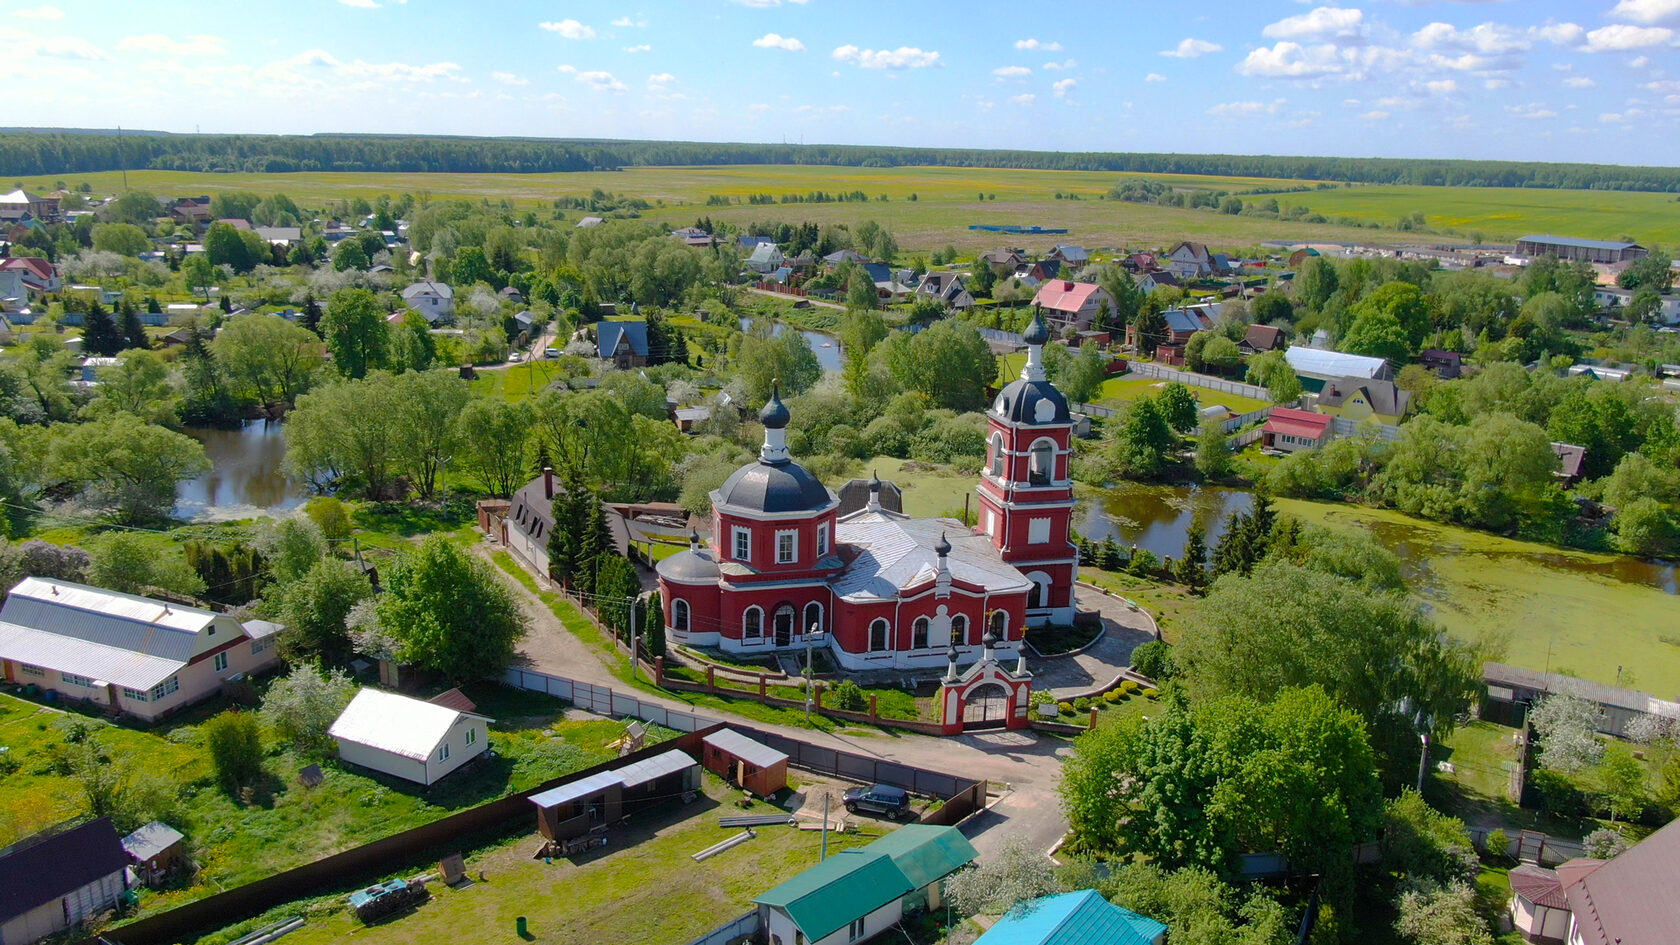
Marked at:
<point>1071,304</point>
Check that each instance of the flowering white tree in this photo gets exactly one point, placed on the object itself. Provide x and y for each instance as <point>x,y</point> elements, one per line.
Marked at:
<point>1567,725</point>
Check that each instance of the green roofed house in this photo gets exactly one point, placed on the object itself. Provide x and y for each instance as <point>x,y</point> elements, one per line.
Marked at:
<point>857,894</point>
<point>1074,918</point>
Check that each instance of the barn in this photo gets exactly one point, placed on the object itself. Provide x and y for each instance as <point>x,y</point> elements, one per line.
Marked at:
<point>407,738</point>
<point>571,809</point>
<point>53,881</point>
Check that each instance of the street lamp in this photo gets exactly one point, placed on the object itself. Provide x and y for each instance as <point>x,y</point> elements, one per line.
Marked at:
<point>810,680</point>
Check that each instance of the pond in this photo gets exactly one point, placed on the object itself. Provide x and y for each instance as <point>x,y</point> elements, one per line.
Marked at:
<point>827,347</point>
<point>1159,518</point>
<point>244,477</point>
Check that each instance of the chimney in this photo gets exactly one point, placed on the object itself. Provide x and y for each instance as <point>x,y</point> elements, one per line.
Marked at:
<point>548,482</point>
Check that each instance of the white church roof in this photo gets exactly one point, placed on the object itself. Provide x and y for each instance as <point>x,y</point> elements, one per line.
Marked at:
<point>895,552</point>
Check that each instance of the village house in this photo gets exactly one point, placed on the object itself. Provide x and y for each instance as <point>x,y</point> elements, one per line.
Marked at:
<point>878,589</point>
<point>1512,690</point>
<point>1150,281</point>
<point>1074,256</point>
<point>280,235</point>
<point>1288,430</point>
<point>1032,274</point>
<point>58,879</point>
<point>191,210</point>
<point>1447,365</point>
<point>1570,457</point>
<point>1359,399</point>
<point>839,256</point>
<point>1003,261</point>
<point>14,292</point>
<point>1300,256</point>
<point>155,851</point>
<point>1263,338</point>
<point>624,343</point>
<point>949,289</point>
<point>588,223</point>
<point>38,274</point>
<point>1073,918</point>
<point>1318,366</point>
<point>135,655</point>
<point>766,257</point>
<point>1190,261</point>
<point>407,738</point>
<point>745,763</point>
<point>20,204</point>
<point>1628,899</point>
<point>1139,262</point>
<point>855,895</point>
<point>573,809</point>
<point>1613,300</point>
<point>435,301</point>
<point>1074,305</point>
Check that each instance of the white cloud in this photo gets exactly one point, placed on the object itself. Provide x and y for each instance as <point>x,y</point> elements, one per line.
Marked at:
<point>640,47</point>
<point>1441,87</point>
<point>602,81</point>
<point>399,71</point>
<point>1620,36</point>
<point>568,70</point>
<point>1025,98</point>
<point>19,43</point>
<point>509,78</point>
<point>904,57</point>
<point>778,41</point>
<point>1192,49</point>
<point>659,82</point>
<point>571,29</point>
<point>1154,77</point>
<point>1486,38</point>
<point>1289,60</point>
<point>1321,23</point>
<point>1064,87</point>
<point>40,13</point>
<point>1610,118</point>
<point>1639,62</point>
<point>1036,44</point>
<point>1374,115</point>
<point>758,107</point>
<point>1579,82</point>
<point>1245,109</point>
<point>361,4</point>
<point>1496,83</point>
<point>1011,72</point>
<point>1064,64</point>
<point>1533,110</point>
<point>625,22</point>
<point>194,45</point>
<point>1562,34</point>
<point>1647,11</point>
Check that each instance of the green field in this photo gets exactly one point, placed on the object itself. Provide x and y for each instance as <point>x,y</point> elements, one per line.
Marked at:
<point>1550,608</point>
<point>1126,388</point>
<point>948,202</point>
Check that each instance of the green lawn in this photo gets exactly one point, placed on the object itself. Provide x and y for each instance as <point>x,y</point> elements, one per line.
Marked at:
<point>284,824</point>
<point>1127,387</point>
<point>1169,604</point>
<point>927,492</point>
<point>643,887</point>
<point>1546,607</point>
<point>948,202</point>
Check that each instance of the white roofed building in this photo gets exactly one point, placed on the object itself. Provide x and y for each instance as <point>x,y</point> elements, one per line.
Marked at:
<point>136,655</point>
<point>1316,366</point>
<point>407,738</point>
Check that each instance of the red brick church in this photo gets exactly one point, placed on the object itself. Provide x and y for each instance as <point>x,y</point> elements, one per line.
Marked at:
<point>887,591</point>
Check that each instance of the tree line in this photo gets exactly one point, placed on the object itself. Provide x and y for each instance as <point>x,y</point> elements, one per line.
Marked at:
<point>65,152</point>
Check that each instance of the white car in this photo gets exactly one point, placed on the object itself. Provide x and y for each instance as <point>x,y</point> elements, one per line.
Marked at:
<point>515,358</point>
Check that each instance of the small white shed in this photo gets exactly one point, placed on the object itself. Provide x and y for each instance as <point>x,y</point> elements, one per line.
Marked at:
<point>408,738</point>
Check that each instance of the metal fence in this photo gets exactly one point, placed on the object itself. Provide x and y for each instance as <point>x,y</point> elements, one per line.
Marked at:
<point>1233,424</point>
<point>739,927</point>
<point>604,701</point>
<point>1200,380</point>
<point>1002,337</point>
<point>1342,426</point>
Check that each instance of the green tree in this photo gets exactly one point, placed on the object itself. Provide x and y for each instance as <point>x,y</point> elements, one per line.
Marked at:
<point>124,239</point>
<point>1221,354</point>
<point>1377,334</point>
<point>223,246</point>
<point>128,324</point>
<point>1213,451</point>
<point>1137,447</point>
<point>1079,376</point>
<point>235,743</point>
<point>1622,779</point>
<point>859,333</point>
<point>948,362</point>
<point>135,562</point>
<point>492,433</point>
<point>982,279</point>
<point>315,609</point>
<point>616,585</point>
<point>139,385</point>
<point>1317,282</point>
<point>355,332</point>
<point>860,293</point>
<point>449,612</point>
<point>1179,407</point>
<point>1646,527</point>
<point>291,545</point>
<point>342,433</point>
<point>1272,371</point>
<point>412,346</point>
<point>1654,272</point>
<point>1405,303</point>
<point>99,333</point>
<point>125,465</point>
<point>1567,725</point>
<point>1421,843</point>
<point>267,359</point>
<point>1433,914</point>
<point>302,705</point>
<point>1193,350</point>
<point>1015,874</point>
<point>429,407</point>
<point>348,254</point>
<point>200,274</point>
<point>330,515</point>
<point>788,359</point>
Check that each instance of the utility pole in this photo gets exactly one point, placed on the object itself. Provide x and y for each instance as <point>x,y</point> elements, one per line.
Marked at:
<point>632,600</point>
<point>1423,760</point>
<point>824,855</point>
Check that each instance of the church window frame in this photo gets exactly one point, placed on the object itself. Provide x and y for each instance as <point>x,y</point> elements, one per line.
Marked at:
<point>879,635</point>
<point>752,623</point>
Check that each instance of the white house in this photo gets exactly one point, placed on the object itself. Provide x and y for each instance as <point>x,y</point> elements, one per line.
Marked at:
<point>406,738</point>
<point>434,300</point>
<point>53,881</point>
<point>1190,261</point>
<point>1628,899</point>
<point>766,257</point>
<point>136,655</point>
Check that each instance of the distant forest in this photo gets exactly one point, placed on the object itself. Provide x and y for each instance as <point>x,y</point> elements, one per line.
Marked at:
<point>36,152</point>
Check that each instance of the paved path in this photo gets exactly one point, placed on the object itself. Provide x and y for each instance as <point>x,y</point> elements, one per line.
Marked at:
<point>1097,665</point>
<point>1025,765</point>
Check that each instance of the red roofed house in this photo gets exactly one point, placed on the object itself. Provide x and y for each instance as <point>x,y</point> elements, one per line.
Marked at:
<point>38,274</point>
<point>1627,900</point>
<point>1074,304</point>
<point>1288,430</point>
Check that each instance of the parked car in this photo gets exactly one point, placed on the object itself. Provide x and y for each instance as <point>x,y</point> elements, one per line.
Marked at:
<point>883,799</point>
<point>515,358</point>
<point>551,352</point>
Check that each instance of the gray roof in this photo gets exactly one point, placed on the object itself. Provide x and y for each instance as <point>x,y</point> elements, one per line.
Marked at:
<point>1631,699</point>
<point>895,552</point>
<point>532,511</point>
<point>658,766</point>
<point>1385,397</point>
<point>854,497</point>
<point>1021,402</point>
<point>607,334</point>
<point>1630,898</point>
<point>576,790</point>
<point>45,867</point>
<point>1577,242</point>
<point>1324,363</point>
<point>744,748</point>
<point>773,487</point>
<point>441,289</point>
<point>631,775</point>
<point>691,566</point>
<point>151,840</point>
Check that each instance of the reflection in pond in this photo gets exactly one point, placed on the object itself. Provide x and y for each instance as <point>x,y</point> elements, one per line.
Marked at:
<point>1159,518</point>
<point>244,477</point>
<point>827,347</point>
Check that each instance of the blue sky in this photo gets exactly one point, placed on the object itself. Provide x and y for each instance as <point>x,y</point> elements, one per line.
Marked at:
<point>1529,79</point>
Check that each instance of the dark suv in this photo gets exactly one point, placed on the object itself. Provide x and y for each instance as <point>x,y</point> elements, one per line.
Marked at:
<point>878,798</point>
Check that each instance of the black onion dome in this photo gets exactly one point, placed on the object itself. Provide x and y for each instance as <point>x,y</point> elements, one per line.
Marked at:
<point>944,547</point>
<point>774,487</point>
<point>775,414</point>
<point>1037,333</point>
<point>1032,402</point>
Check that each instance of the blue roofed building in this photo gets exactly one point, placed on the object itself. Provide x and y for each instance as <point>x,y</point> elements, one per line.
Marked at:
<point>624,343</point>
<point>1074,918</point>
